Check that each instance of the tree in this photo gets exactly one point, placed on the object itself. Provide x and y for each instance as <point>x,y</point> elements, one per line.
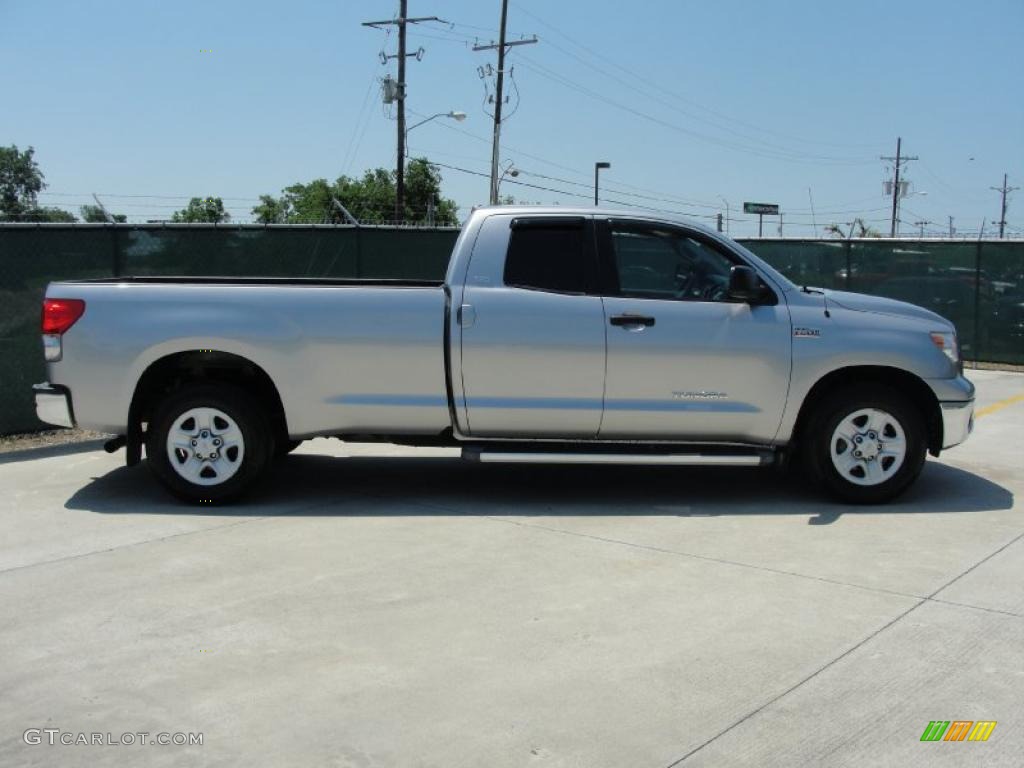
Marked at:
<point>858,226</point>
<point>51,215</point>
<point>202,209</point>
<point>21,181</point>
<point>423,201</point>
<point>95,214</point>
<point>271,210</point>
<point>370,199</point>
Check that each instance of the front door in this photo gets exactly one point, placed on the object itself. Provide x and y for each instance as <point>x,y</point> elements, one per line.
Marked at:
<point>684,362</point>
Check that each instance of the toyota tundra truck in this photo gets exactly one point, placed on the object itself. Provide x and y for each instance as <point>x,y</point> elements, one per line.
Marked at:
<point>558,335</point>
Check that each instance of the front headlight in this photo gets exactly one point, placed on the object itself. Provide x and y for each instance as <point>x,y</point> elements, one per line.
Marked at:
<point>948,344</point>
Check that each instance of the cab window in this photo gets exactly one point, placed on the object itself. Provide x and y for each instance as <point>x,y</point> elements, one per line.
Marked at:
<point>658,263</point>
<point>549,255</point>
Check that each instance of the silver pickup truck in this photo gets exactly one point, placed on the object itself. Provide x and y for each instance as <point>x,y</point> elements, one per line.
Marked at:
<point>558,335</point>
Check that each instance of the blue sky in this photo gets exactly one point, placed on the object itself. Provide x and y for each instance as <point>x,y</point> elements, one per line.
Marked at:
<point>692,103</point>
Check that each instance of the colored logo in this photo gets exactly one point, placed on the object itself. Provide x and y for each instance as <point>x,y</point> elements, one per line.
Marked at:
<point>958,730</point>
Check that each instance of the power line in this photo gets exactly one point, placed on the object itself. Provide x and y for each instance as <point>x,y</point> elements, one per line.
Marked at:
<point>759,129</point>
<point>781,155</point>
<point>364,113</point>
<point>567,193</point>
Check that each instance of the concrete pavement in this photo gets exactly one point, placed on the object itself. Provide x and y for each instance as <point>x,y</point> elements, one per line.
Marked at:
<point>386,606</point>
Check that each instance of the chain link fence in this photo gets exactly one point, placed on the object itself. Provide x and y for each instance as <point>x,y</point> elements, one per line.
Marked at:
<point>978,285</point>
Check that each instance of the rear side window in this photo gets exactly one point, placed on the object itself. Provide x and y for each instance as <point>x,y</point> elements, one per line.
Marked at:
<point>548,257</point>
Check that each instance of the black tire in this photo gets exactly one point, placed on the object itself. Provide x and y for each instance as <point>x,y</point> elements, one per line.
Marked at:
<point>286,446</point>
<point>818,435</point>
<point>255,448</point>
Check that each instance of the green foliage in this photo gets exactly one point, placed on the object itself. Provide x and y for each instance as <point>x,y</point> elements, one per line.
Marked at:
<point>271,210</point>
<point>54,215</point>
<point>370,199</point>
<point>858,227</point>
<point>94,214</point>
<point>21,181</point>
<point>202,209</point>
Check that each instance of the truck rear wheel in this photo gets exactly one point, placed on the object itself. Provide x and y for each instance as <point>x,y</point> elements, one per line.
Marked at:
<point>865,444</point>
<point>208,443</point>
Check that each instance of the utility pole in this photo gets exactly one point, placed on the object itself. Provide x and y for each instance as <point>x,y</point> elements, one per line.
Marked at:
<point>1002,216</point>
<point>921,225</point>
<point>899,160</point>
<point>401,23</point>
<point>952,230</point>
<point>499,94</point>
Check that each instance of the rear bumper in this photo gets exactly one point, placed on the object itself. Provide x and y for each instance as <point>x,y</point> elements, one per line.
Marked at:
<point>53,404</point>
<point>957,422</point>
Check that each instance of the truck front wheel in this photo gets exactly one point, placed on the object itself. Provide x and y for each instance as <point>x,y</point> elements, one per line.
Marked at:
<point>208,443</point>
<point>865,444</point>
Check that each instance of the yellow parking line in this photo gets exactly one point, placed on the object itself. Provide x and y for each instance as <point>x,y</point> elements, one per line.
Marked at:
<point>998,406</point>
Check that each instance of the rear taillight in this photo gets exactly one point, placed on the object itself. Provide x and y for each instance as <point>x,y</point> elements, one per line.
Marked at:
<point>61,314</point>
<point>58,316</point>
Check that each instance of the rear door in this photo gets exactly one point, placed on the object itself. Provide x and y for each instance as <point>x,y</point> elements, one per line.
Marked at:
<point>685,362</point>
<point>532,332</point>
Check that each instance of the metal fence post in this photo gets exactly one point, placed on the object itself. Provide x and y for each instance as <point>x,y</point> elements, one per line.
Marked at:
<point>116,266</point>
<point>977,302</point>
<point>846,247</point>
<point>359,250</point>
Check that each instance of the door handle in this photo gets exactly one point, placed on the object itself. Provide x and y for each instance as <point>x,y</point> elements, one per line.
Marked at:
<point>626,321</point>
<point>466,316</point>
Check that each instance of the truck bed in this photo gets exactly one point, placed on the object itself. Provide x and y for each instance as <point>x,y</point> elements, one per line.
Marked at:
<point>346,356</point>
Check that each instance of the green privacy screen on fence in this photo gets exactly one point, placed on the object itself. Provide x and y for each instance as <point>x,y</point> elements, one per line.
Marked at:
<point>977,285</point>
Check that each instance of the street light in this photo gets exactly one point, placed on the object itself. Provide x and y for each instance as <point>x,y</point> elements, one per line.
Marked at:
<point>453,115</point>
<point>510,170</point>
<point>726,213</point>
<point>598,167</point>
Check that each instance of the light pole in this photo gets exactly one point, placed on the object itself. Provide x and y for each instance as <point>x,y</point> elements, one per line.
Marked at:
<point>897,221</point>
<point>509,170</point>
<point>726,213</point>
<point>454,115</point>
<point>597,168</point>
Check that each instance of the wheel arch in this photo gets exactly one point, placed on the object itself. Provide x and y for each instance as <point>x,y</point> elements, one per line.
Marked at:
<point>917,390</point>
<point>176,370</point>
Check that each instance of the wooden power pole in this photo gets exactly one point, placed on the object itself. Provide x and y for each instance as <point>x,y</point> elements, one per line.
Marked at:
<point>401,22</point>
<point>501,45</point>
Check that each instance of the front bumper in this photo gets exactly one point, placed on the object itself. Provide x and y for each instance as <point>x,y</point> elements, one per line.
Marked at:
<point>957,422</point>
<point>956,403</point>
<point>53,404</point>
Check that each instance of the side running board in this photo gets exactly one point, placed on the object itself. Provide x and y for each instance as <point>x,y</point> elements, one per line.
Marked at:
<point>758,459</point>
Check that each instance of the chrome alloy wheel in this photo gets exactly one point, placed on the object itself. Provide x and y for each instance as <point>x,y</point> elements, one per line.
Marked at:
<point>868,447</point>
<point>205,446</point>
